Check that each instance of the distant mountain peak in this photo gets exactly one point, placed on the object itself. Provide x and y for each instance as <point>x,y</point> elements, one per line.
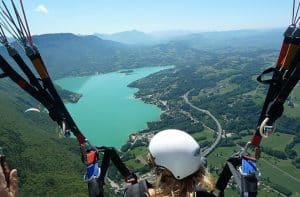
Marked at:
<point>134,31</point>
<point>128,37</point>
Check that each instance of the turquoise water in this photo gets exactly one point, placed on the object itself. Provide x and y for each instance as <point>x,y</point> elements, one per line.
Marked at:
<point>107,112</point>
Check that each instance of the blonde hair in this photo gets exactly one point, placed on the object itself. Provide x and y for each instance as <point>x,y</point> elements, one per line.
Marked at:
<point>168,185</point>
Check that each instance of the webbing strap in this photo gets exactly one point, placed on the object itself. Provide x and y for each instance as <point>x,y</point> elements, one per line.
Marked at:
<point>18,59</point>
<point>110,154</point>
<point>38,62</point>
<point>249,186</point>
<point>246,183</point>
<point>139,189</point>
<point>60,114</point>
<point>95,188</point>
<point>18,79</point>
<point>274,80</point>
<point>236,175</point>
<point>95,185</point>
<point>226,173</point>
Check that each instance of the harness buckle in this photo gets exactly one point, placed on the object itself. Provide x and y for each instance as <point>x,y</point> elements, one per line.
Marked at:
<point>244,151</point>
<point>63,130</point>
<point>265,130</point>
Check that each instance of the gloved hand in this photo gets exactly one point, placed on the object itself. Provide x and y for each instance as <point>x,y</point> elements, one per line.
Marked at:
<point>8,180</point>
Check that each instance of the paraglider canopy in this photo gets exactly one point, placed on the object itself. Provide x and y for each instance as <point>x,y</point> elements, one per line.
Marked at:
<point>32,109</point>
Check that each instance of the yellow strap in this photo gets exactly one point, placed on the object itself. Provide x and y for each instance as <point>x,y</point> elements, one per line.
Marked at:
<point>40,67</point>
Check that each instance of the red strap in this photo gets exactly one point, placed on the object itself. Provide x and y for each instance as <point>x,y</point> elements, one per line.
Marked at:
<point>256,139</point>
<point>22,83</point>
<point>248,158</point>
<point>80,138</point>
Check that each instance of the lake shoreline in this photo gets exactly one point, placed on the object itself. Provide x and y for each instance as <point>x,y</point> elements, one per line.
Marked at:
<point>113,122</point>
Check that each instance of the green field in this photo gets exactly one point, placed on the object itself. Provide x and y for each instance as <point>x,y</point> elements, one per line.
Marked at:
<point>277,141</point>
<point>265,192</point>
<point>134,164</point>
<point>224,86</point>
<point>204,135</point>
<point>280,177</point>
<point>297,148</point>
<point>258,95</point>
<point>139,151</point>
<point>140,157</point>
<point>295,98</point>
<point>218,157</point>
<point>221,88</point>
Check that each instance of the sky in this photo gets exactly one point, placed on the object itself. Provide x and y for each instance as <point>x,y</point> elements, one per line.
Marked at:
<point>109,16</point>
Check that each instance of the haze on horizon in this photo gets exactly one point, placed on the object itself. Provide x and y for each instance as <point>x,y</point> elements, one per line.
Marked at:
<point>109,16</point>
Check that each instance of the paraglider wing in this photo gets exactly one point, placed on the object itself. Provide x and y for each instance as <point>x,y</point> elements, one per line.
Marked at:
<point>32,109</point>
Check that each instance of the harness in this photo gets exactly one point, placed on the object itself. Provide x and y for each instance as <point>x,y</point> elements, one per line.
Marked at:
<point>140,189</point>
<point>95,175</point>
<point>245,173</point>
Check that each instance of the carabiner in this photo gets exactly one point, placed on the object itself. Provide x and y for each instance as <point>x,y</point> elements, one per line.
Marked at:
<point>265,130</point>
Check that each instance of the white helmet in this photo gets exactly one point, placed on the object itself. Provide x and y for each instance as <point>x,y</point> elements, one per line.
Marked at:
<point>177,151</point>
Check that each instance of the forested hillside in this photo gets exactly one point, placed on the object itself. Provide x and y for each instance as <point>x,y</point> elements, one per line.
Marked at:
<point>45,163</point>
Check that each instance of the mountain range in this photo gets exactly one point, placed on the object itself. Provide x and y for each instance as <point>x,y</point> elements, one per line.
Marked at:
<point>142,38</point>
<point>67,54</point>
<point>214,37</point>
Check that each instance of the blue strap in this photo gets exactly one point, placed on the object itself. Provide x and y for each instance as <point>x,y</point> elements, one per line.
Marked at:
<point>248,166</point>
<point>92,172</point>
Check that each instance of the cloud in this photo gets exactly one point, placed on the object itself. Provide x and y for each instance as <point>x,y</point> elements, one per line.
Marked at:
<point>41,8</point>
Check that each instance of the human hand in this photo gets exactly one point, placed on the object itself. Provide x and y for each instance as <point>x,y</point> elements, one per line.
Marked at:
<point>8,180</point>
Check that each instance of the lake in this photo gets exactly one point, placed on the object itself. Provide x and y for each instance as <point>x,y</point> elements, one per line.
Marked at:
<point>108,112</point>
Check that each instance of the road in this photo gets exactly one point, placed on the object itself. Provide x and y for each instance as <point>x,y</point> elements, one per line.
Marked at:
<point>219,128</point>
